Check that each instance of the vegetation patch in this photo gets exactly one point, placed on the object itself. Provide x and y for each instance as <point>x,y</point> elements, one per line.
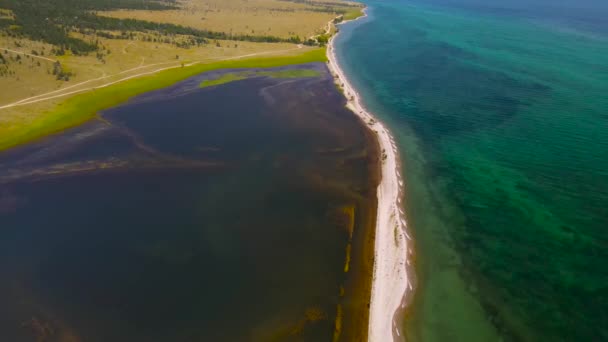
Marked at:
<point>81,108</point>
<point>231,77</point>
<point>225,78</point>
<point>294,73</point>
<point>338,324</point>
<point>353,14</point>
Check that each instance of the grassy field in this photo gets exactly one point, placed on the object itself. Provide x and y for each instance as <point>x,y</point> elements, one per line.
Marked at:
<point>32,76</point>
<point>34,101</point>
<point>26,76</point>
<point>260,17</point>
<point>352,14</point>
<point>81,108</point>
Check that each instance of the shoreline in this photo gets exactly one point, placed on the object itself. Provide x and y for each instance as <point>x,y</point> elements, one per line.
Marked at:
<point>390,281</point>
<point>80,108</point>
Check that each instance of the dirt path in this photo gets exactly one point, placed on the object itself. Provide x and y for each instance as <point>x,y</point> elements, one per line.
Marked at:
<point>327,28</point>
<point>124,49</point>
<point>30,99</point>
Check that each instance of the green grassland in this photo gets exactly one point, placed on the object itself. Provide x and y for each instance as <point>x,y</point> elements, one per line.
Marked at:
<point>353,14</point>
<point>82,108</point>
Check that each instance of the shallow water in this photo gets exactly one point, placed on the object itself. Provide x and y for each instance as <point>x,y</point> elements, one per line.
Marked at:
<point>500,113</point>
<point>216,214</point>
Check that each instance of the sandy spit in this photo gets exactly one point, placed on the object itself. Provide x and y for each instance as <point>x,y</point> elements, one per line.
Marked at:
<point>390,283</point>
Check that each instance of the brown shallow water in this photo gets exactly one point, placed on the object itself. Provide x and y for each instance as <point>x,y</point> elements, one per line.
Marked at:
<point>241,212</point>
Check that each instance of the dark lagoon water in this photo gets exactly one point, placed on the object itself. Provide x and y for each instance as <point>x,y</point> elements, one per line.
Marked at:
<point>501,113</point>
<point>215,214</point>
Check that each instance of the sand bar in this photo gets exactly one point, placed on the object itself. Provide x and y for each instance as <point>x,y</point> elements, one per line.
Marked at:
<point>390,281</point>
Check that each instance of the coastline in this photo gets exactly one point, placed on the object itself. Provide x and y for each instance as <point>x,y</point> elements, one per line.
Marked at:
<point>390,281</point>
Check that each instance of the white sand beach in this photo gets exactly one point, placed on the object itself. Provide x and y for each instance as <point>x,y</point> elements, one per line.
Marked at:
<point>390,281</point>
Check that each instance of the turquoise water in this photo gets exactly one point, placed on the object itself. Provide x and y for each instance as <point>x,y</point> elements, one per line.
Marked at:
<point>501,113</point>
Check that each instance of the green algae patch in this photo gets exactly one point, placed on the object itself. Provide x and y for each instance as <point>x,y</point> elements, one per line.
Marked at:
<point>296,73</point>
<point>82,108</point>
<point>349,213</point>
<point>232,77</point>
<point>338,324</point>
<point>226,78</point>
